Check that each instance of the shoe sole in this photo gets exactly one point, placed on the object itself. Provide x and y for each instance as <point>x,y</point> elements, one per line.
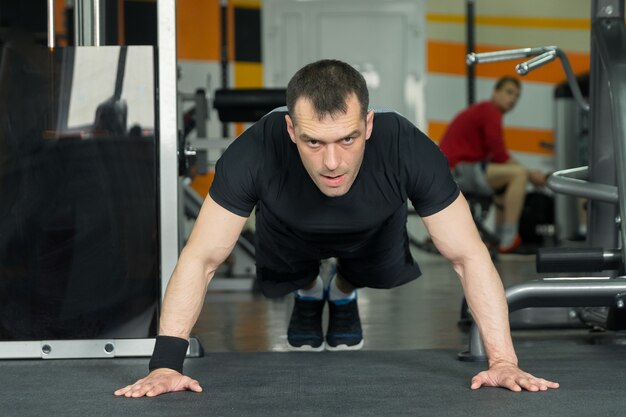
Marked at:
<point>305,348</point>
<point>344,347</point>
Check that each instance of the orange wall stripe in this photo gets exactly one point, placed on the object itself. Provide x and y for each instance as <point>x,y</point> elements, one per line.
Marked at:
<point>517,139</point>
<point>202,183</point>
<point>449,58</point>
<point>510,21</point>
<point>198,29</point>
<point>436,130</point>
<point>121,35</point>
<point>529,140</point>
<point>60,26</point>
<point>240,127</point>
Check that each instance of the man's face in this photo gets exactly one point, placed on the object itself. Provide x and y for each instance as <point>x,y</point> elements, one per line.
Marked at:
<point>506,97</point>
<point>331,149</point>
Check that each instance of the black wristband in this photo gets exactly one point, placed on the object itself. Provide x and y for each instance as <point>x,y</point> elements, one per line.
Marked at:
<point>169,352</point>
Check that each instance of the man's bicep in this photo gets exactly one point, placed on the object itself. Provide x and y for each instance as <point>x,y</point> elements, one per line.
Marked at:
<point>453,230</point>
<point>430,185</point>
<point>215,232</point>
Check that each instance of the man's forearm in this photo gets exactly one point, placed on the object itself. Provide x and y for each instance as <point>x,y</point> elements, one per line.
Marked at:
<point>213,238</point>
<point>184,296</point>
<point>485,296</point>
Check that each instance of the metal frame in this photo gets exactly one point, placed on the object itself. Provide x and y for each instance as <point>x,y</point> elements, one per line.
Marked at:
<point>169,193</point>
<point>168,208</point>
<point>551,292</point>
<point>168,160</point>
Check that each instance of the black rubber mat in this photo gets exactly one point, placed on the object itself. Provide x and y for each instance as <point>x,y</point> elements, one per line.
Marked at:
<point>367,383</point>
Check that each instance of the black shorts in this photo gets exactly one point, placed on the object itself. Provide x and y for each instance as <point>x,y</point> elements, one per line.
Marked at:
<point>384,261</point>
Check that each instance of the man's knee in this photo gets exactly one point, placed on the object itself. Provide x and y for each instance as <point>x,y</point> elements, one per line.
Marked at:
<point>519,172</point>
<point>502,175</point>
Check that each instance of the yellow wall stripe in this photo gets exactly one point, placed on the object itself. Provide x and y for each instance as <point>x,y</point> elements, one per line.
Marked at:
<point>248,74</point>
<point>251,4</point>
<point>509,21</point>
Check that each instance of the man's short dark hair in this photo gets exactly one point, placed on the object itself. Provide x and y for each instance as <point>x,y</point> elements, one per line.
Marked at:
<point>327,84</point>
<point>507,79</point>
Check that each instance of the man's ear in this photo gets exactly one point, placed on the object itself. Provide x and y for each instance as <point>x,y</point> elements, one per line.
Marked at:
<point>369,124</point>
<point>290,129</point>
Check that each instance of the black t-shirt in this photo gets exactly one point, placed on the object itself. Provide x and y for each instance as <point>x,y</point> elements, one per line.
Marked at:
<point>263,167</point>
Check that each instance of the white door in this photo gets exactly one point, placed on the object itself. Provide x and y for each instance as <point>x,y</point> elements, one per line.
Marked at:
<point>385,40</point>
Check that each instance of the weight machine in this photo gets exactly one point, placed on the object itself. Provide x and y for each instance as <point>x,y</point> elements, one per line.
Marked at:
<point>603,181</point>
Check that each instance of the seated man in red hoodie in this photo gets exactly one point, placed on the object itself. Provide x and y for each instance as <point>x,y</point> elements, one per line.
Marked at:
<point>475,136</point>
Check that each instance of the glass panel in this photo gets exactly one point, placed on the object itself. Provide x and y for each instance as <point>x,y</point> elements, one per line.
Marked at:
<point>78,193</point>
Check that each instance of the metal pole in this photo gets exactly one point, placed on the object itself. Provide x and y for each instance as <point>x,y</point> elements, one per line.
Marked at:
<point>84,21</point>
<point>78,24</point>
<point>601,216</point>
<point>470,42</point>
<point>168,133</point>
<point>51,24</point>
<point>224,60</point>
<point>96,22</point>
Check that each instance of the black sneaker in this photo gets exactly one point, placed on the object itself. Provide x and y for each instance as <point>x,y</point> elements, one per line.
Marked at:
<point>305,327</point>
<point>344,326</point>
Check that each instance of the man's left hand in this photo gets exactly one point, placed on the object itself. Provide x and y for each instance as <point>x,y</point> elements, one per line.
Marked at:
<point>508,375</point>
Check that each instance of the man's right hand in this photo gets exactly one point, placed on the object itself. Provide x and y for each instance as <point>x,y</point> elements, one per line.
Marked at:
<point>159,381</point>
<point>537,178</point>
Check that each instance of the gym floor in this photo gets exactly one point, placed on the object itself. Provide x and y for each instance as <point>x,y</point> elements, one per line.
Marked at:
<point>408,365</point>
<point>423,314</point>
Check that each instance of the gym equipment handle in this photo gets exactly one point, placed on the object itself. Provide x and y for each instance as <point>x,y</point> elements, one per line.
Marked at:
<point>538,61</point>
<point>544,54</point>
<point>573,181</point>
<point>577,259</point>
<point>507,55</point>
<point>551,292</point>
<point>551,53</point>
